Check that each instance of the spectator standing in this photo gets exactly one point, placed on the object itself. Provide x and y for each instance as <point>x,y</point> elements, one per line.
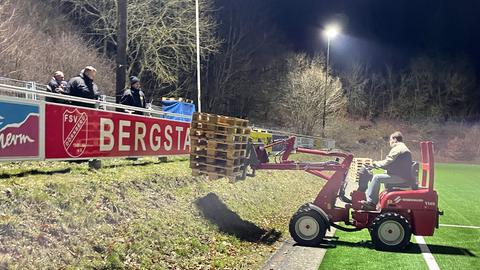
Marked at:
<point>84,86</point>
<point>134,96</point>
<point>57,85</point>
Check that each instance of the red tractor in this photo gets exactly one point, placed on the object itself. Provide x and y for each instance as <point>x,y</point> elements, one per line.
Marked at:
<point>401,211</point>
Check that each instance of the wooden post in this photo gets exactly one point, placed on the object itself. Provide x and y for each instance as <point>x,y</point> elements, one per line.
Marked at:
<point>121,60</point>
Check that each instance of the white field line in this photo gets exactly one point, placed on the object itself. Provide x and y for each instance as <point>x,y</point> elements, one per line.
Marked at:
<point>459,226</point>
<point>427,255</point>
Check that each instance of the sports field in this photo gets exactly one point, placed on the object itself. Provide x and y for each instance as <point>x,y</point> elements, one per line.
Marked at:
<point>452,247</point>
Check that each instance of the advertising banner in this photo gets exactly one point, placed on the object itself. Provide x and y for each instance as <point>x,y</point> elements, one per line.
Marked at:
<point>76,132</point>
<point>19,130</point>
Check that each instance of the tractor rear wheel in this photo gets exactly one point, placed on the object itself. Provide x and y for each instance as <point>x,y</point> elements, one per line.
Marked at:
<point>390,231</point>
<point>307,227</point>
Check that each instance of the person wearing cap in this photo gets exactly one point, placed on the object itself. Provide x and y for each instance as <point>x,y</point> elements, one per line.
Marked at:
<point>134,96</point>
<point>57,84</point>
<point>84,86</point>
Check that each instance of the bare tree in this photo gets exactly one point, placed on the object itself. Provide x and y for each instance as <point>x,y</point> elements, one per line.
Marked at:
<point>236,75</point>
<point>355,82</point>
<point>434,88</point>
<point>304,93</point>
<point>161,35</point>
<point>33,45</point>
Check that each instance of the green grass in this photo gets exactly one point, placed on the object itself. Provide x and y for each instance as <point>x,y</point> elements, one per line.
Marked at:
<point>459,196</point>
<point>143,214</point>
<point>354,250</point>
<point>453,248</point>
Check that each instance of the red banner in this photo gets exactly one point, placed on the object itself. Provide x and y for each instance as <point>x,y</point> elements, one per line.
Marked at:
<point>75,132</point>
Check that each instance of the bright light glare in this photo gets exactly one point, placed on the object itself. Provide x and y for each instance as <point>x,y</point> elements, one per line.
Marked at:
<point>331,31</point>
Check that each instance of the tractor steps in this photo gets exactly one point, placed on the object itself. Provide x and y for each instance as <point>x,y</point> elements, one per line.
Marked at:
<point>218,145</point>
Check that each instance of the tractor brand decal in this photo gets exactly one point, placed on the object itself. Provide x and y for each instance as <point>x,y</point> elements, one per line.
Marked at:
<point>399,199</point>
<point>75,132</point>
<point>430,203</point>
<point>411,200</point>
<point>19,130</point>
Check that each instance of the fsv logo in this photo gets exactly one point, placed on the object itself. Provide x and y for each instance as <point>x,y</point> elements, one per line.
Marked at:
<point>75,132</point>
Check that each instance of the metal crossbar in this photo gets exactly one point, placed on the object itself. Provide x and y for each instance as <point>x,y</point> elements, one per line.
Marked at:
<point>103,103</point>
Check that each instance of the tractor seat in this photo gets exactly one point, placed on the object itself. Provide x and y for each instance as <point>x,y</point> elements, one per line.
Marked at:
<point>411,184</point>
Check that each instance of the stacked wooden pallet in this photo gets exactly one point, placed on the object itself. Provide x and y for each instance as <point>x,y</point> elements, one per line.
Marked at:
<point>355,167</point>
<point>218,145</point>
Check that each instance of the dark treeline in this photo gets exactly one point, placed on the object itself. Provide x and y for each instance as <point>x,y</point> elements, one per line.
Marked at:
<point>437,88</point>
<point>250,70</point>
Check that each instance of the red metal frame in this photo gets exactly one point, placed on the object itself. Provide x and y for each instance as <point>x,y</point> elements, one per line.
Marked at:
<point>327,196</point>
<point>427,164</point>
<point>419,206</point>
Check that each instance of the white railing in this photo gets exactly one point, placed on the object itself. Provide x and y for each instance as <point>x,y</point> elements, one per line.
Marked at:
<point>33,91</point>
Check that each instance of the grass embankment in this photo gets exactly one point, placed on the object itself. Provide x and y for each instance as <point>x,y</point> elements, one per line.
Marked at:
<point>143,214</point>
<point>453,248</point>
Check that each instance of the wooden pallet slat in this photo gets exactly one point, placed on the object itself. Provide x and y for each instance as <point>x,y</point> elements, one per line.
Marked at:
<point>210,135</point>
<point>201,145</point>
<point>219,153</point>
<point>220,128</point>
<point>355,167</point>
<point>219,119</point>
<point>217,161</point>
<point>218,145</point>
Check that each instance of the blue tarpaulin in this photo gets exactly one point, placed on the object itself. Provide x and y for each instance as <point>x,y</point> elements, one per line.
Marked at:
<point>178,107</point>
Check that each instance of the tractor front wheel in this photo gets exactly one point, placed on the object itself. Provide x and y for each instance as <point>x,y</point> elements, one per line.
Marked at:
<point>307,227</point>
<point>390,231</point>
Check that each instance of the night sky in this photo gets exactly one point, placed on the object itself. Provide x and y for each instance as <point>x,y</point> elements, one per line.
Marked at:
<point>382,31</point>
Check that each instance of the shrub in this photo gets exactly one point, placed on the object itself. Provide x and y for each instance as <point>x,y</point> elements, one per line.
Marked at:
<point>460,149</point>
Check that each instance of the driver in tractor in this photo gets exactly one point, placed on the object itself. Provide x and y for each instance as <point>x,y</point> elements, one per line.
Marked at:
<point>398,165</point>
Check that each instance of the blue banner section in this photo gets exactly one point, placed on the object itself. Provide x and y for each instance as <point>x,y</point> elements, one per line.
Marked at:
<point>14,113</point>
<point>178,107</point>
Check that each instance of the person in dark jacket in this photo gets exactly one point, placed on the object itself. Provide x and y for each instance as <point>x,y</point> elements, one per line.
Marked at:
<point>84,86</point>
<point>398,165</point>
<point>57,84</point>
<point>134,96</point>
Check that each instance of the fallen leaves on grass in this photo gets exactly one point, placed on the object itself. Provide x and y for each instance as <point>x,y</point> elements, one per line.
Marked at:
<point>151,216</point>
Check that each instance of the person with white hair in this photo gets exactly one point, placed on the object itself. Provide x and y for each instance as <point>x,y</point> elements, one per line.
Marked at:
<point>84,86</point>
<point>57,85</point>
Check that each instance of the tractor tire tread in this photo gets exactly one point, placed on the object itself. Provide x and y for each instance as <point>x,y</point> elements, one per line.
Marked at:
<point>391,215</point>
<point>322,223</point>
